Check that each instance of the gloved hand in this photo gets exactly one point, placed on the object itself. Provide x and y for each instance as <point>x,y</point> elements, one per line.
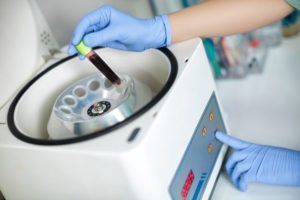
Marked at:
<point>110,27</point>
<point>260,163</point>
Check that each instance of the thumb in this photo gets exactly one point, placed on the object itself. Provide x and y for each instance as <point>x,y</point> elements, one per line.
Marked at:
<point>232,141</point>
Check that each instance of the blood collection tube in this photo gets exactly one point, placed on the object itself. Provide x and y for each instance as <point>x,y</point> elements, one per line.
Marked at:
<point>98,62</point>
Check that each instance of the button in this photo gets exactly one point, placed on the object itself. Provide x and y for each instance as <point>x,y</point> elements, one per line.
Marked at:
<point>211,116</point>
<point>210,148</point>
<point>204,131</point>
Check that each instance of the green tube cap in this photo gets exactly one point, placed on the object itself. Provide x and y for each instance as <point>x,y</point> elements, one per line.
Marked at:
<point>83,49</point>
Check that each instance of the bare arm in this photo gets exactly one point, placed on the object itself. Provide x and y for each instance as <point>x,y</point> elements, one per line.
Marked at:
<point>225,17</point>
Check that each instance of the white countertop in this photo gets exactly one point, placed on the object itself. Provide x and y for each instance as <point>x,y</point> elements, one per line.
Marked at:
<point>264,108</point>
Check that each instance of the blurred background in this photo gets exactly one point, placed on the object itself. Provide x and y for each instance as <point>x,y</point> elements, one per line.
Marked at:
<point>257,73</point>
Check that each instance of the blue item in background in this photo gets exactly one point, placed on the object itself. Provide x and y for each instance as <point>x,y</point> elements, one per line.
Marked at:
<point>291,18</point>
<point>212,56</point>
<point>260,163</point>
<point>291,24</point>
<point>187,3</point>
<point>110,27</point>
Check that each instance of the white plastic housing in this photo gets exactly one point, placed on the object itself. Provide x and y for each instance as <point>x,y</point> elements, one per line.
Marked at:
<point>110,167</point>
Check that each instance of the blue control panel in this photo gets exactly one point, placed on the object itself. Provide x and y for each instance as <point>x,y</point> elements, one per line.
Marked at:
<point>195,168</point>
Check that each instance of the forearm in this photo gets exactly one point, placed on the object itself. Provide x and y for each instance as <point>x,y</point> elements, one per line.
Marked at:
<point>225,17</point>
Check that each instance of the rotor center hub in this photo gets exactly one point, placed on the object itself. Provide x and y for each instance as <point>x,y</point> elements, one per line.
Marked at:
<point>98,108</point>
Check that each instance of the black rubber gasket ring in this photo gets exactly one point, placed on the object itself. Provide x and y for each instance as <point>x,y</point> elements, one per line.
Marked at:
<point>18,134</point>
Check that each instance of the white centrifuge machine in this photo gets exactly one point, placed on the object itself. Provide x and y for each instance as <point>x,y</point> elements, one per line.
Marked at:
<point>67,133</point>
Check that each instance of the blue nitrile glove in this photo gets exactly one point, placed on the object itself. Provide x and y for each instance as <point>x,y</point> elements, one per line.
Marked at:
<point>260,163</point>
<point>110,27</point>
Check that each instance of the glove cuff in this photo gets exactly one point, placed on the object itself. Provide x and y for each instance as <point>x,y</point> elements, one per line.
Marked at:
<point>167,28</point>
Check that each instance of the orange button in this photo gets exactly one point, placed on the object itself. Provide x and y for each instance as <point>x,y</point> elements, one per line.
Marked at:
<point>210,148</point>
<point>211,116</point>
<point>204,131</point>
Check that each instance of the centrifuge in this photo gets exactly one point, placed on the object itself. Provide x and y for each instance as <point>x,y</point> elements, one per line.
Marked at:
<point>68,133</point>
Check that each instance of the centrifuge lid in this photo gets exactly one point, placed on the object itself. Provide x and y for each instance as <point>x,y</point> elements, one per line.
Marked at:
<point>19,47</point>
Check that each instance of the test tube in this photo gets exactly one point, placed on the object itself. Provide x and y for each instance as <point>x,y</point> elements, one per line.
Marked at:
<point>98,62</point>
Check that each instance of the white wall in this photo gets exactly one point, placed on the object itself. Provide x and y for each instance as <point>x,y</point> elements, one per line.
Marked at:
<point>166,6</point>
<point>63,15</point>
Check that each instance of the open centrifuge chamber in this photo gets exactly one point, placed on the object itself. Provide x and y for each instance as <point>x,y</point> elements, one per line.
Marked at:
<point>82,103</point>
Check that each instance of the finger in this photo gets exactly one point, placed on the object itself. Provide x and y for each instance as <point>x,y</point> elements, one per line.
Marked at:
<point>250,174</point>
<point>232,141</point>
<point>100,38</point>
<point>91,29</point>
<point>115,45</point>
<point>239,169</point>
<point>239,156</point>
<point>101,17</point>
<point>72,50</point>
<point>135,47</point>
<point>81,57</point>
<point>232,161</point>
<point>243,182</point>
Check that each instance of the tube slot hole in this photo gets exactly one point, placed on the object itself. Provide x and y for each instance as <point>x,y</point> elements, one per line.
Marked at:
<point>94,85</point>
<point>107,84</point>
<point>65,110</point>
<point>80,92</point>
<point>70,101</point>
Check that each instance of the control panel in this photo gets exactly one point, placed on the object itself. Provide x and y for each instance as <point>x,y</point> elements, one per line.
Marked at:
<point>196,166</point>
